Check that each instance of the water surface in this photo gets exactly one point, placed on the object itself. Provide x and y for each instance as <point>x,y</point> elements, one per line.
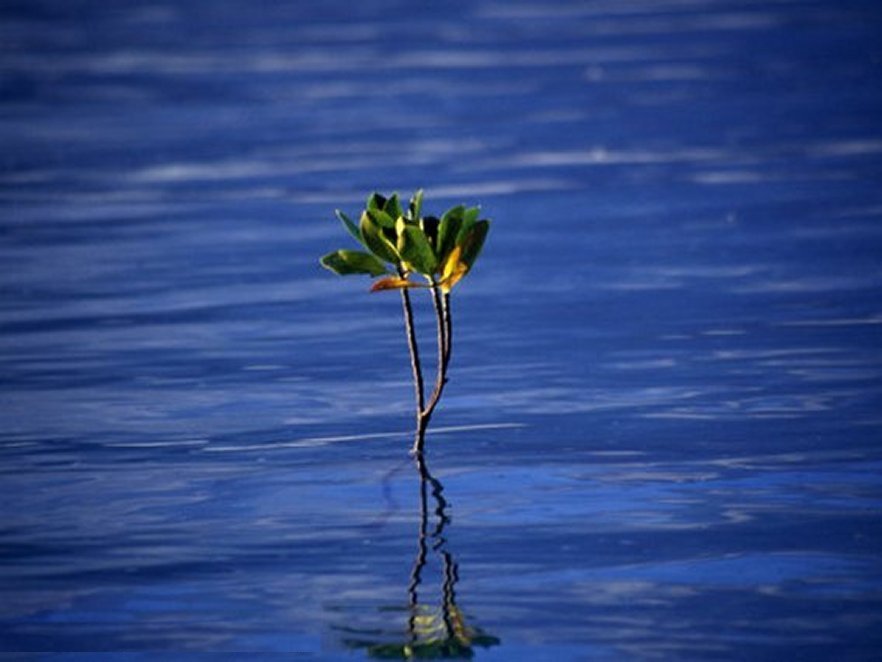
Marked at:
<point>661,435</point>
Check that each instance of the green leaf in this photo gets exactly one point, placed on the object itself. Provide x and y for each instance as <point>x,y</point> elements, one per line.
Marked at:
<point>414,248</point>
<point>393,206</point>
<point>472,241</point>
<point>454,212</point>
<point>376,201</point>
<point>348,224</point>
<point>470,215</point>
<point>448,231</point>
<point>416,205</point>
<point>346,262</point>
<point>372,237</point>
<point>381,218</point>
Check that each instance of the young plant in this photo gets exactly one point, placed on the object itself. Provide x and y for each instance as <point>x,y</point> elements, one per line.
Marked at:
<point>406,250</point>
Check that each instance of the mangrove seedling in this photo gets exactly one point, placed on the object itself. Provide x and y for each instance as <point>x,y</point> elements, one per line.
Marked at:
<point>405,250</point>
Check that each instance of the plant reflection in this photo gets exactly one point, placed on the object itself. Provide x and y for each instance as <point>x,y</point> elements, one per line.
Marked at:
<point>440,632</point>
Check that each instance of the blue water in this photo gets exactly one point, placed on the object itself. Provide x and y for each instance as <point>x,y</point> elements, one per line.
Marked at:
<point>661,437</point>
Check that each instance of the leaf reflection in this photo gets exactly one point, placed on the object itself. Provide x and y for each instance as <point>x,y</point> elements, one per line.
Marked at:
<point>432,632</point>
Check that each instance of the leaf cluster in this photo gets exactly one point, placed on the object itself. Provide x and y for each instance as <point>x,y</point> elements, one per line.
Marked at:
<point>401,241</point>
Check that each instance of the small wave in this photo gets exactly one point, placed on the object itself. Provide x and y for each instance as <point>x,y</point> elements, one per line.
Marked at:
<point>313,442</point>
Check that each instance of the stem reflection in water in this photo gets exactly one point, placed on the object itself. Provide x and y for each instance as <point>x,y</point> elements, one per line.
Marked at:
<point>440,632</point>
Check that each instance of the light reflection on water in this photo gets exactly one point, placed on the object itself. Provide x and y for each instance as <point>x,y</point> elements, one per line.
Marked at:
<point>436,626</point>
<point>661,436</point>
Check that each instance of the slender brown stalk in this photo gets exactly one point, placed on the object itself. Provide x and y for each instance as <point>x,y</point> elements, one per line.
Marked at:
<point>425,408</point>
<point>443,353</point>
<point>448,326</point>
<point>414,352</point>
<point>441,301</point>
<point>443,340</point>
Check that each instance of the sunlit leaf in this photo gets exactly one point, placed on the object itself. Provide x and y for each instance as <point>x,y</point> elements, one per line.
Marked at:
<point>374,239</point>
<point>444,250</point>
<point>347,222</point>
<point>451,263</point>
<point>345,262</point>
<point>454,270</point>
<point>414,248</point>
<point>394,283</point>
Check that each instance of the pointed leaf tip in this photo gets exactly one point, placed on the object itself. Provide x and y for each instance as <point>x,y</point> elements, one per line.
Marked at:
<point>416,205</point>
<point>393,206</point>
<point>376,201</point>
<point>350,226</point>
<point>470,215</point>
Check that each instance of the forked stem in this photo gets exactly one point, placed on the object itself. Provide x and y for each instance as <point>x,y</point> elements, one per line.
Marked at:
<point>410,332</point>
<point>425,408</point>
<point>443,350</point>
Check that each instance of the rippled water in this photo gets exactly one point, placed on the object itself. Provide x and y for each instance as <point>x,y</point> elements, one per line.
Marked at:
<point>661,435</point>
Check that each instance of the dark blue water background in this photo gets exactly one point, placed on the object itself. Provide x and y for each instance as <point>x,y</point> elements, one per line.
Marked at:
<point>661,438</point>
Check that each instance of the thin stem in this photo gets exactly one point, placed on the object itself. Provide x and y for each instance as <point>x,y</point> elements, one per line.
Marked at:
<point>425,408</point>
<point>414,352</point>
<point>448,326</point>
<point>443,340</point>
<point>443,355</point>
